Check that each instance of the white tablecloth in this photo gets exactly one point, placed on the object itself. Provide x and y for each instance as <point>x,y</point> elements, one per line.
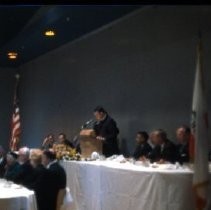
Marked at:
<point>15,197</point>
<point>107,185</point>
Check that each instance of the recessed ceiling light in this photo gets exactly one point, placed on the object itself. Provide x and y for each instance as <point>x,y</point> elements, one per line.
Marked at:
<point>50,33</point>
<point>12,55</point>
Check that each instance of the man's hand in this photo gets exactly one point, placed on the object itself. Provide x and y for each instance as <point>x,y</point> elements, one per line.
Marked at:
<point>161,161</point>
<point>143,158</point>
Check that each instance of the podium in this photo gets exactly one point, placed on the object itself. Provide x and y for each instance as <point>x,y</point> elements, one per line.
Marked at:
<point>88,143</point>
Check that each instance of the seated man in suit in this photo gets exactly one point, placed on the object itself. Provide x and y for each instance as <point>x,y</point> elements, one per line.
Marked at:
<point>62,139</point>
<point>150,141</point>
<point>3,162</point>
<point>183,137</point>
<point>56,183</point>
<point>164,150</point>
<point>142,149</point>
<point>48,142</point>
<point>106,130</point>
<point>25,174</point>
<point>40,179</point>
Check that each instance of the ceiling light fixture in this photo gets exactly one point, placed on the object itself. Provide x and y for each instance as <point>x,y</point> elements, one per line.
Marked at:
<point>12,55</point>
<point>50,33</point>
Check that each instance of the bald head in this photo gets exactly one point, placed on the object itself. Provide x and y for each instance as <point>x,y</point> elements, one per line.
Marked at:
<point>23,154</point>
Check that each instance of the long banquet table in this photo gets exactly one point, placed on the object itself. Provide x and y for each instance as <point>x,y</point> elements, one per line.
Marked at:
<point>109,185</point>
<point>16,197</point>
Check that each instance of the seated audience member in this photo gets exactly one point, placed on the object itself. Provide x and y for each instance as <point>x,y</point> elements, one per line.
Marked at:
<point>56,180</point>
<point>142,149</point>
<point>25,174</point>
<point>150,141</point>
<point>164,150</point>
<point>183,137</point>
<point>63,140</point>
<point>48,142</point>
<point>3,162</point>
<point>12,167</point>
<point>40,179</point>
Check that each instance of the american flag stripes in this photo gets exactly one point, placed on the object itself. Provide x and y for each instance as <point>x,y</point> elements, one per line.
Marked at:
<point>16,125</point>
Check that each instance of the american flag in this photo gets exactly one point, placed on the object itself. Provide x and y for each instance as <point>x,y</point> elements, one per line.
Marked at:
<point>15,127</point>
<point>200,134</point>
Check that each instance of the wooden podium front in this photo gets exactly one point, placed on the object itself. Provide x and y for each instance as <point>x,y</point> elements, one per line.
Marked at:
<point>88,143</point>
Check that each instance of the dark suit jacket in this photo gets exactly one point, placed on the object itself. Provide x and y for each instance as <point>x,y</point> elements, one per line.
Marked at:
<point>2,167</point>
<point>183,153</point>
<point>169,152</point>
<point>38,184</point>
<point>108,129</point>
<point>142,150</point>
<point>56,181</point>
<point>12,172</point>
<point>25,175</point>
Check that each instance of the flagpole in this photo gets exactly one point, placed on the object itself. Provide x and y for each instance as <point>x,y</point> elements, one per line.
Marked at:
<point>17,76</point>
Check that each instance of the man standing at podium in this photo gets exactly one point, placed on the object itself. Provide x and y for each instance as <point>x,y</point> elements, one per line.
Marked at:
<point>106,130</point>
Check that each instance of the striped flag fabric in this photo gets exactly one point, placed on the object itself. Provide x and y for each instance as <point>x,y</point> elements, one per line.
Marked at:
<point>16,124</point>
<point>199,129</point>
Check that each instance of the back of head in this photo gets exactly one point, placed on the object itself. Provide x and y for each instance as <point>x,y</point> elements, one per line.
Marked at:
<point>50,154</point>
<point>36,156</point>
<point>23,153</point>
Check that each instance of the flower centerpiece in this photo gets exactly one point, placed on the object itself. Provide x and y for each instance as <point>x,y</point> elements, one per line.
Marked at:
<point>64,152</point>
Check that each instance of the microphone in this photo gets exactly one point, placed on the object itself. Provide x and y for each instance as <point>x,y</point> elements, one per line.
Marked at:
<point>87,123</point>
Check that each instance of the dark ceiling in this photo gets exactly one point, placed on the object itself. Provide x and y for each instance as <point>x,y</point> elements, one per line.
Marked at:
<point>22,27</point>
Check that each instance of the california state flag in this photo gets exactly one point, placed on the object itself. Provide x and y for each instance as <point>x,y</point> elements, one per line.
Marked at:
<point>199,129</point>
